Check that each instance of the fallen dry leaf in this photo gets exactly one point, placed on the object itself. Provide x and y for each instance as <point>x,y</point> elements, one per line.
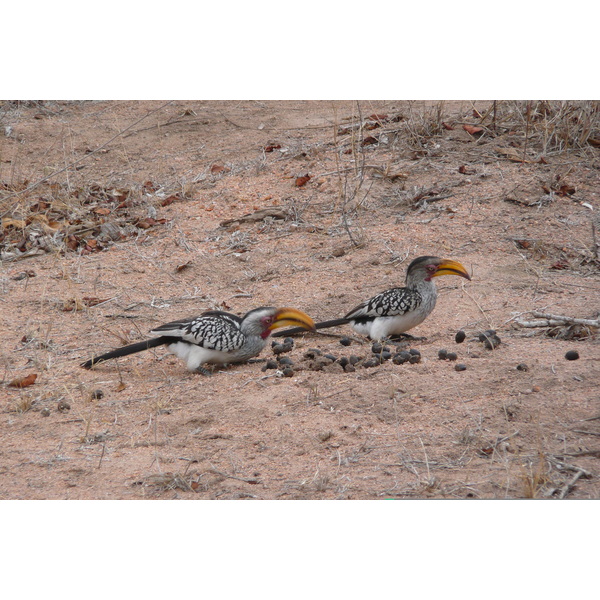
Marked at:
<point>471,129</point>
<point>300,181</point>
<point>74,304</point>
<point>272,147</point>
<point>102,210</point>
<point>369,140</point>
<point>149,222</point>
<point>566,190</point>
<point>15,223</point>
<point>169,200</point>
<point>512,154</point>
<point>182,267</point>
<point>22,382</point>
<point>217,168</point>
<point>447,126</point>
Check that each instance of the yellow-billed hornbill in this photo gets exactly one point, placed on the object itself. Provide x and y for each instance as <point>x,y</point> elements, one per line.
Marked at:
<point>215,337</point>
<point>397,310</point>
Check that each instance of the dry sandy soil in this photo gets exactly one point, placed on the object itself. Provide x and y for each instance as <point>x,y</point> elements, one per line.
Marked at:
<point>120,216</point>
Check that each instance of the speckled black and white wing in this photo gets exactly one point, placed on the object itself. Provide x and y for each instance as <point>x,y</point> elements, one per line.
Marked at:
<point>391,303</point>
<point>213,330</point>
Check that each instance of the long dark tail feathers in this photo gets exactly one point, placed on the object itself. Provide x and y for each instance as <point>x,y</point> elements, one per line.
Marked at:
<point>131,349</point>
<point>321,325</point>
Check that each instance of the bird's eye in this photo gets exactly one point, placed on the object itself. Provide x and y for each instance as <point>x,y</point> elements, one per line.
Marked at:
<point>431,268</point>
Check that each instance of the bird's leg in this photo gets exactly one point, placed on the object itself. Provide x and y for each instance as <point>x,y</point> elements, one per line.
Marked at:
<point>203,371</point>
<point>400,337</point>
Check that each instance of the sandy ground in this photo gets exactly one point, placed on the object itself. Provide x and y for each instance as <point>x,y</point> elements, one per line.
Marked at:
<point>143,220</point>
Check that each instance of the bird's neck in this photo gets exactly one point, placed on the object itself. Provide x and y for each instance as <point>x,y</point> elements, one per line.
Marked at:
<point>424,286</point>
<point>254,329</point>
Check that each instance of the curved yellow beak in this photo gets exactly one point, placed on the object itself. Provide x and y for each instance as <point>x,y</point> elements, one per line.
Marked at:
<point>294,317</point>
<point>451,267</point>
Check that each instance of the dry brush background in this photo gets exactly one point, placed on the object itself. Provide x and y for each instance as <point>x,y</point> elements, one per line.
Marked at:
<point>118,216</point>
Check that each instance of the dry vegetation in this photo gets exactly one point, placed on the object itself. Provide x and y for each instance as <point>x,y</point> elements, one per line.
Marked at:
<point>118,216</point>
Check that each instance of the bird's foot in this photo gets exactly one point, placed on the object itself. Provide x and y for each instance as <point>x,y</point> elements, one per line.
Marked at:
<point>203,371</point>
<point>402,337</point>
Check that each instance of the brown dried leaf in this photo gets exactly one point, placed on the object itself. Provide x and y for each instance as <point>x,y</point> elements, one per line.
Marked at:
<point>512,154</point>
<point>272,147</point>
<point>71,242</point>
<point>447,126</point>
<point>471,129</point>
<point>217,168</point>
<point>184,266</point>
<point>15,223</point>
<point>300,181</point>
<point>169,200</point>
<point>72,305</point>
<point>369,140</point>
<point>102,210</point>
<point>566,190</point>
<point>92,301</point>
<point>22,382</point>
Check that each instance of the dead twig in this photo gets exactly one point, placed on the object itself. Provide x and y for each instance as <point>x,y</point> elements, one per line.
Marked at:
<point>251,480</point>
<point>562,491</point>
<point>549,320</point>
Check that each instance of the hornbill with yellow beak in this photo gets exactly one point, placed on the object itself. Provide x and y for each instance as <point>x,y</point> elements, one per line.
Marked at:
<point>215,337</point>
<point>397,310</point>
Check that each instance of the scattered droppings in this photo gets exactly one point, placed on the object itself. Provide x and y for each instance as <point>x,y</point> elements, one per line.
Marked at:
<point>345,341</point>
<point>414,352</point>
<point>372,362</point>
<point>45,412</point>
<point>354,359</point>
<point>285,360</point>
<point>349,368</point>
<point>288,372</point>
<point>97,395</point>
<point>312,353</point>
<point>401,357</point>
<point>282,348</point>
<point>460,336</point>
<point>486,333</point>
<point>386,355</point>
<point>489,338</point>
<point>270,364</point>
<point>414,359</point>
<point>451,356</point>
<point>376,348</point>
<point>442,354</point>
<point>572,355</point>
<point>343,360</point>
<point>63,406</point>
<point>522,367</point>
<point>288,341</point>
<point>460,367</point>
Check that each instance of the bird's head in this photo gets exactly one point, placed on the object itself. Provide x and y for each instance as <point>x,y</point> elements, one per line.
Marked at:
<point>262,321</point>
<point>426,267</point>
